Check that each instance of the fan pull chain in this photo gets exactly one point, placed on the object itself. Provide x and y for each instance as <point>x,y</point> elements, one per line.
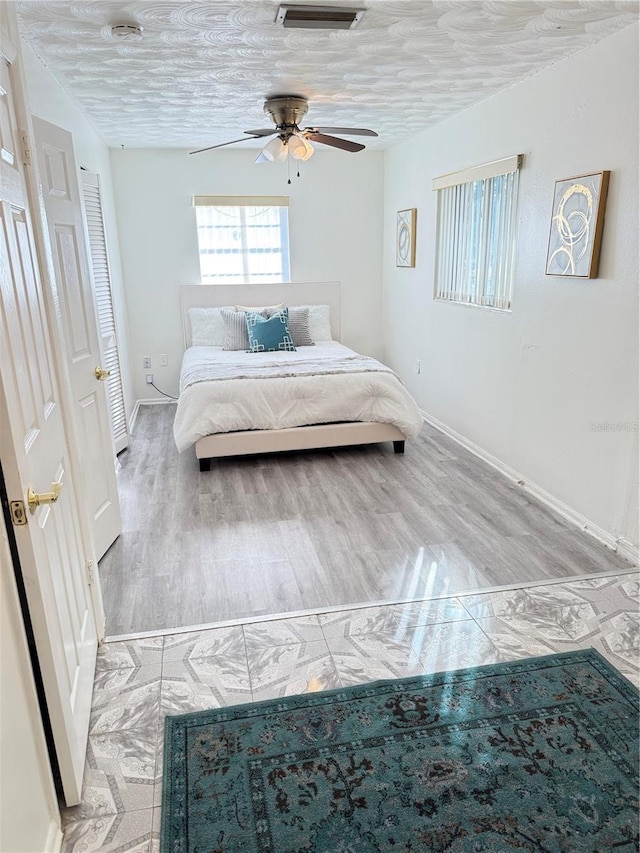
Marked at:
<point>289,169</point>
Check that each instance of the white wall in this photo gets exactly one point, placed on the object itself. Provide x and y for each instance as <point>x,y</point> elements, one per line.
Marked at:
<point>335,224</point>
<point>526,386</point>
<point>29,820</point>
<point>49,101</point>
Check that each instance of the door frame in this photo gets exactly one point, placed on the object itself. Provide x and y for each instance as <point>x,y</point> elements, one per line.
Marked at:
<point>10,52</point>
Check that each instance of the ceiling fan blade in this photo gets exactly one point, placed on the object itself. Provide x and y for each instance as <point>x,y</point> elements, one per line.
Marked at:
<point>261,158</point>
<point>347,131</point>
<point>334,142</point>
<point>264,131</point>
<point>222,144</point>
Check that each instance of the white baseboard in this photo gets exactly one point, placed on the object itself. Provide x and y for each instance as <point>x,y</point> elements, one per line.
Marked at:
<point>149,401</point>
<point>629,551</point>
<point>622,546</point>
<point>53,844</point>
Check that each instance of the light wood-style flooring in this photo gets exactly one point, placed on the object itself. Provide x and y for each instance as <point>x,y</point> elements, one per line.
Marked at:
<point>284,533</point>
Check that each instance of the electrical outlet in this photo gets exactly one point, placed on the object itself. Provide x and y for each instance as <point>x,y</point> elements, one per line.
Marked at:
<point>146,362</point>
<point>149,378</point>
<point>164,361</point>
<point>417,365</point>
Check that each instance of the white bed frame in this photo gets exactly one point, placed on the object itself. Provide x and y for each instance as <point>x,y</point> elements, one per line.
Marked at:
<point>298,438</point>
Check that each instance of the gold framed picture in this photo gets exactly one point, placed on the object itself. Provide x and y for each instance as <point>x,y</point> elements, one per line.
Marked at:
<point>406,238</point>
<point>577,220</point>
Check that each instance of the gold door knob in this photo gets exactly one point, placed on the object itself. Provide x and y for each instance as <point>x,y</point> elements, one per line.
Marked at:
<point>102,374</point>
<point>34,500</point>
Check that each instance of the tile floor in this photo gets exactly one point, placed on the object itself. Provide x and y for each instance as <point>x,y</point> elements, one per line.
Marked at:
<point>139,682</point>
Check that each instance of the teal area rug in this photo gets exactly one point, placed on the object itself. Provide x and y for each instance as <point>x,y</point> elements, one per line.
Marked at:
<point>535,755</point>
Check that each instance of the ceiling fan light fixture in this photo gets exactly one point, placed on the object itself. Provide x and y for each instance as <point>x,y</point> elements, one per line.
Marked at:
<point>300,148</point>
<point>286,113</point>
<point>275,150</point>
<point>310,150</point>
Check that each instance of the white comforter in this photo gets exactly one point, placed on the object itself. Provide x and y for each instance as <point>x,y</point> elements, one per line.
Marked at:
<point>223,391</point>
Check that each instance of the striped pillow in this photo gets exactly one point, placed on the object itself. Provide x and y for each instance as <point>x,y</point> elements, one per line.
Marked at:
<point>235,323</point>
<point>298,326</point>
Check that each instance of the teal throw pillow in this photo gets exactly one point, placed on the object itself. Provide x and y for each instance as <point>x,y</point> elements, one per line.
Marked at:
<point>270,335</point>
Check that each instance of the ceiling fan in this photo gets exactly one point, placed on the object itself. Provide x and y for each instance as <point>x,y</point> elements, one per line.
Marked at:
<point>287,111</point>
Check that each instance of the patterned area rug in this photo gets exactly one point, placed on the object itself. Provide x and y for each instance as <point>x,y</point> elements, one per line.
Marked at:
<point>535,755</point>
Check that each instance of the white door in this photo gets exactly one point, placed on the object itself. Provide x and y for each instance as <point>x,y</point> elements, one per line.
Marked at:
<point>104,307</point>
<point>61,192</point>
<point>34,453</point>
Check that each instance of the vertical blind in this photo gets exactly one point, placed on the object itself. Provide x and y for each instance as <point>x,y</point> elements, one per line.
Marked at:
<point>476,232</point>
<point>104,308</point>
<point>242,239</point>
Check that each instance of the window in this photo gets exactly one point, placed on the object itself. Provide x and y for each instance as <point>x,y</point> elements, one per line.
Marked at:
<point>476,232</point>
<point>243,239</point>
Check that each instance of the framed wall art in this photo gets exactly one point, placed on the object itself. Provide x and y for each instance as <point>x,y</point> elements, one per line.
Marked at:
<point>577,220</point>
<point>406,238</point>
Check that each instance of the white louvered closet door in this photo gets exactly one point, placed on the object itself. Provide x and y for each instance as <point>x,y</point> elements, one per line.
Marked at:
<point>104,307</point>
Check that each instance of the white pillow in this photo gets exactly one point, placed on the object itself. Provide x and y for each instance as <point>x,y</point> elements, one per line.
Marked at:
<point>319,322</point>
<point>270,309</point>
<point>207,327</point>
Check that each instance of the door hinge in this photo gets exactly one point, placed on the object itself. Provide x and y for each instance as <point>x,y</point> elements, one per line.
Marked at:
<point>18,514</point>
<point>26,150</point>
<point>89,567</point>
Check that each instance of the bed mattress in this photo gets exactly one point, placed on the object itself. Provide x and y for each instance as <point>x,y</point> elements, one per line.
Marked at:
<point>222,391</point>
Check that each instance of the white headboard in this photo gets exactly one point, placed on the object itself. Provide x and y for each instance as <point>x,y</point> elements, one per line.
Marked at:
<point>291,293</point>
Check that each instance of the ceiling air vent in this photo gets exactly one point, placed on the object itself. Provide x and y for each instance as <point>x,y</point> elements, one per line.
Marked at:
<point>319,17</point>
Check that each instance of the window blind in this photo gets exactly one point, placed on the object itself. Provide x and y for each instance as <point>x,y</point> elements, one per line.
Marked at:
<point>104,308</point>
<point>475,234</point>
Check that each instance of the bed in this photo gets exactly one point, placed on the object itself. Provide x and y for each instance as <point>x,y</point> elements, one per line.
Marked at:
<point>238,403</point>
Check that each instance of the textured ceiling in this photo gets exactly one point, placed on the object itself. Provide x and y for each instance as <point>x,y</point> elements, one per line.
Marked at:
<point>201,71</point>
